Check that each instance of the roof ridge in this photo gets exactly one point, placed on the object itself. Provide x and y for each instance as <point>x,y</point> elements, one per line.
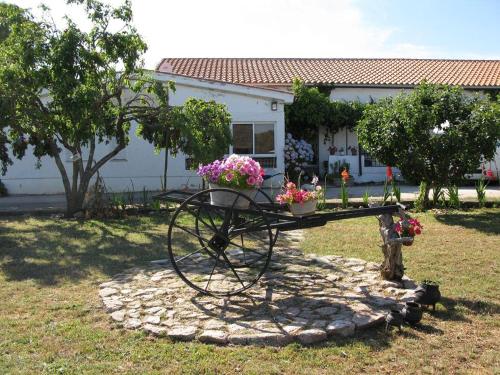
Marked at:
<point>339,71</point>
<point>325,58</point>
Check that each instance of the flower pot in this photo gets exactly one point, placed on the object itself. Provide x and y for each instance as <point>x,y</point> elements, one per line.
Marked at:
<point>412,313</point>
<point>303,209</point>
<point>395,319</point>
<point>226,199</point>
<point>407,241</point>
<point>428,294</point>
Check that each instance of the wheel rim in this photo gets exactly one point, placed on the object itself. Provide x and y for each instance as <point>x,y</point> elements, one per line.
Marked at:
<point>219,250</point>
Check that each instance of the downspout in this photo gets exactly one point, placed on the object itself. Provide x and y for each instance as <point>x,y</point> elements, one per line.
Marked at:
<point>360,164</point>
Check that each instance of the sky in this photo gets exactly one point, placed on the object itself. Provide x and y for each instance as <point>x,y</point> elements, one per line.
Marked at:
<point>455,29</point>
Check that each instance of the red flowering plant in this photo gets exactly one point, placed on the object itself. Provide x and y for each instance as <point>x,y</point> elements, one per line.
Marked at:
<point>292,194</point>
<point>408,227</point>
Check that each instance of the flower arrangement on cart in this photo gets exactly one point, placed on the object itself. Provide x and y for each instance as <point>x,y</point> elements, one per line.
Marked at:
<point>237,172</point>
<point>301,202</point>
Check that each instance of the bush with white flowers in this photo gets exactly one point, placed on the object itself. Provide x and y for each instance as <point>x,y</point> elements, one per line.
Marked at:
<point>298,154</point>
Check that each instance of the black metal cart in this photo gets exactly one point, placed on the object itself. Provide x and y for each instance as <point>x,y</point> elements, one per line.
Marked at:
<point>223,249</point>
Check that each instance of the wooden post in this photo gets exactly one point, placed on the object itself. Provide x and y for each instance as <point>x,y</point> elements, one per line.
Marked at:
<point>392,267</point>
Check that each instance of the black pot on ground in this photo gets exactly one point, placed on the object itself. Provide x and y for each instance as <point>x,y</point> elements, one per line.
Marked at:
<point>428,294</point>
<point>412,313</point>
<point>394,319</point>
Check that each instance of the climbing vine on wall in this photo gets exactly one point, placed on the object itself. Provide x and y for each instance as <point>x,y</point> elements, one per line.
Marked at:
<point>312,109</point>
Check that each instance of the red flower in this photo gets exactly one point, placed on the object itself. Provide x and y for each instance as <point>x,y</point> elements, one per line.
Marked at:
<point>345,175</point>
<point>489,174</point>
<point>388,173</point>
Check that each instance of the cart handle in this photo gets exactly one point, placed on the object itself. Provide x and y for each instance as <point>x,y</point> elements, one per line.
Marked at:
<point>268,176</point>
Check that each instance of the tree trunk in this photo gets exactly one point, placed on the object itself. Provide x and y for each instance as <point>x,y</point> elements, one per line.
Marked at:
<point>165,170</point>
<point>392,267</point>
<point>426,196</point>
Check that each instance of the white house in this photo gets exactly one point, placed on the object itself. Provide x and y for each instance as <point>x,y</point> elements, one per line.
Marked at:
<point>345,79</point>
<point>258,129</point>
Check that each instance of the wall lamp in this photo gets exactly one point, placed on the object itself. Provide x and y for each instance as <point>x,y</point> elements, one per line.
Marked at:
<point>274,106</point>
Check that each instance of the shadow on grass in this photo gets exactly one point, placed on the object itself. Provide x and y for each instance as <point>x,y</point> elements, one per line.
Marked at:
<point>486,222</point>
<point>49,251</point>
<point>457,309</point>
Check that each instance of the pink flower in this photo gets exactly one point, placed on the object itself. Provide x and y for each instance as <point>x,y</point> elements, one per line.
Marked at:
<point>229,177</point>
<point>251,180</point>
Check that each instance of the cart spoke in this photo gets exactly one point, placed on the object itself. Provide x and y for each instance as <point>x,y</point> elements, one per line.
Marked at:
<point>194,252</point>
<point>211,273</point>
<point>229,264</point>
<point>191,232</point>
<point>245,248</point>
<point>197,216</point>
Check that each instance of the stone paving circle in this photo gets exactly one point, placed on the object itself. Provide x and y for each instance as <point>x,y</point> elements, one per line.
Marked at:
<point>304,298</point>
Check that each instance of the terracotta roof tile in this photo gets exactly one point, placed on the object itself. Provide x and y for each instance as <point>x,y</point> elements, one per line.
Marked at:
<point>394,72</point>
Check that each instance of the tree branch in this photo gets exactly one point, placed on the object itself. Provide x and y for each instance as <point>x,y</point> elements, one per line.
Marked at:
<point>106,158</point>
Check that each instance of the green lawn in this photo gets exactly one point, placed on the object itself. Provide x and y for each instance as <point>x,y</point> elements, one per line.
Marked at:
<point>51,320</point>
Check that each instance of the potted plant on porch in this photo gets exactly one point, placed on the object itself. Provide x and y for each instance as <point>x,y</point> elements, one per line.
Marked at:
<point>240,173</point>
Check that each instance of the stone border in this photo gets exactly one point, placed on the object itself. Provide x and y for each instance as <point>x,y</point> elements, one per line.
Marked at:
<point>300,298</point>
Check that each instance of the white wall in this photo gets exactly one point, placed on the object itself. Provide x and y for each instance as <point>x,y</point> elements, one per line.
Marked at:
<point>138,165</point>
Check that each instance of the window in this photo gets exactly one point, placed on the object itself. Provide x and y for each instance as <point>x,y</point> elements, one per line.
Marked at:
<point>243,138</point>
<point>253,139</point>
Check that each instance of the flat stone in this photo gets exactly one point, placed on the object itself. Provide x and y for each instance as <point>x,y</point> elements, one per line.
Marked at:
<point>388,284</point>
<point>408,283</point>
<point>152,319</point>
<point>154,330</point>
<point>186,333</point>
<point>326,311</point>
<point>371,266</point>
<point>132,323</point>
<point>358,268</point>
<point>156,310</point>
<point>269,339</point>
<point>112,305</point>
<point>341,327</point>
<point>311,336</point>
<point>333,277</point>
<point>238,339</point>
<point>108,284</point>
<point>381,301</point>
<point>118,316</point>
<point>213,336</point>
<point>364,320</point>
<point>105,292</point>
<point>134,305</point>
<point>213,324</point>
<point>133,313</point>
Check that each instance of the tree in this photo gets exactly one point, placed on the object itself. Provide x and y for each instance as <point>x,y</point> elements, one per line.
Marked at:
<point>200,129</point>
<point>310,110</point>
<point>67,89</point>
<point>436,134</point>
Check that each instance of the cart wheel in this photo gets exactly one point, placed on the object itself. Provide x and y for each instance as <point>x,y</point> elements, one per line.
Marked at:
<point>218,250</point>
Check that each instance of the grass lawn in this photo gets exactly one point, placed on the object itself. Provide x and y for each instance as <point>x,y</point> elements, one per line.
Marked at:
<point>51,320</point>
